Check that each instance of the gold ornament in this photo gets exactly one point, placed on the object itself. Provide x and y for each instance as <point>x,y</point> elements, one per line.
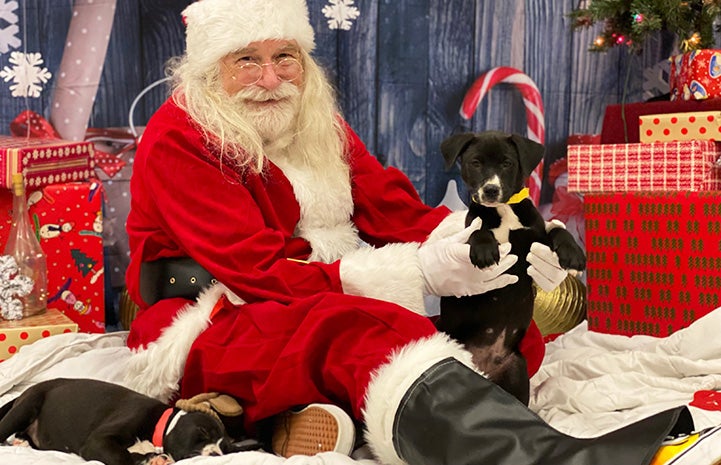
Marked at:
<point>562,309</point>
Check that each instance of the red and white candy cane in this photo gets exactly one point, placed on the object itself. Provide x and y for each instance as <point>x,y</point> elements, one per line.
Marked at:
<point>534,110</point>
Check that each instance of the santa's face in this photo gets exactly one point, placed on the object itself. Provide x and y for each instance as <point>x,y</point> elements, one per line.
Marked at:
<point>263,83</point>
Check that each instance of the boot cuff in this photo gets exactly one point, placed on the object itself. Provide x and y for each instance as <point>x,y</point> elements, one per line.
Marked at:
<point>391,382</point>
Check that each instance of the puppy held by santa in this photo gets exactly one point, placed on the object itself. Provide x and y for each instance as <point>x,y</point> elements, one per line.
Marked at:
<point>272,194</point>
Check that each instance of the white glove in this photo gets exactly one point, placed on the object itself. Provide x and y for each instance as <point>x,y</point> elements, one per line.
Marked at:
<point>544,267</point>
<point>447,269</point>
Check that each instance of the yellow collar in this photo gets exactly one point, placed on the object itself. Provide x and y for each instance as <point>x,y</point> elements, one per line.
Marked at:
<point>518,196</point>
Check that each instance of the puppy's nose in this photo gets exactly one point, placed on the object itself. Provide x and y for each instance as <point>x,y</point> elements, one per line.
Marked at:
<point>491,192</point>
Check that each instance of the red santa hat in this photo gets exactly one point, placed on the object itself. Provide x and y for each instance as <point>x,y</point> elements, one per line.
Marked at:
<point>215,28</point>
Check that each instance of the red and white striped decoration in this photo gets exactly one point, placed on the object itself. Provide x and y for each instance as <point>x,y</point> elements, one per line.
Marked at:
<point>534,110</point>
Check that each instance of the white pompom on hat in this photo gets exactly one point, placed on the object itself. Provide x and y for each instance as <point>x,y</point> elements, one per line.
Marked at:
<point>215,28</point>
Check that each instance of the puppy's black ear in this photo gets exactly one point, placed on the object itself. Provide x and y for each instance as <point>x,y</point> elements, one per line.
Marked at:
<point>452,147</point>
<point>530,153</point>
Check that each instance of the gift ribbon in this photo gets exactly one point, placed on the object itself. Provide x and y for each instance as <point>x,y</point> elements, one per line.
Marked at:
<point>30,124</point>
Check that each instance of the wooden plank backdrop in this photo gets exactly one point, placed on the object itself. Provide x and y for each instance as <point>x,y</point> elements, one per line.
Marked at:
<point>401,71</point>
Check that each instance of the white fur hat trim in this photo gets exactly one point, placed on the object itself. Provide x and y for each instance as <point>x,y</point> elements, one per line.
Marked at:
<point>215,28</point>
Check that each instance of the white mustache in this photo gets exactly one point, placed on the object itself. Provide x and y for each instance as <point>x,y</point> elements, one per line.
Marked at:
<point>258,94</point>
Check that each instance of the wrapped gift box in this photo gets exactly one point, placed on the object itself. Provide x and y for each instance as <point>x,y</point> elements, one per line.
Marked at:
<point>69,223</point>
<point>15,334</point>
<point>661,166</point>
<point>45,161</point>
<point>696,75</point>
<point>669,127</point>
<point>620,122</point>
<point>653,260</point>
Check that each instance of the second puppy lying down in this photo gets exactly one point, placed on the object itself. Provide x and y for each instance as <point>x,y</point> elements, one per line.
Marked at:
<point>495,167</point>
<point>100,421</point>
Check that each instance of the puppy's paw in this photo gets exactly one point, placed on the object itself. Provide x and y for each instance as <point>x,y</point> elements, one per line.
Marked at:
<point>570,255</point>
<point>160,459</point>
<point>18,442</point>
<point>484,250</point>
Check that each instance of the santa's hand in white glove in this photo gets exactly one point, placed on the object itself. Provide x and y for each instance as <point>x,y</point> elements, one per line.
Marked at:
<point>447,269</point>
<point>544,267</point>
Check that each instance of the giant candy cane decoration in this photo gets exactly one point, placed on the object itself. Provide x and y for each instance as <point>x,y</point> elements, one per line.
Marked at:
<point>534,110</point>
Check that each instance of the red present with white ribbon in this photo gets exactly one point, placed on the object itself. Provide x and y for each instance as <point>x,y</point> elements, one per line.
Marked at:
<point>534,110</point>
<point>661,166</point>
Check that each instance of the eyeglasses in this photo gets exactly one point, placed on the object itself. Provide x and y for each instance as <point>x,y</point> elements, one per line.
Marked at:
<point>287,69</point>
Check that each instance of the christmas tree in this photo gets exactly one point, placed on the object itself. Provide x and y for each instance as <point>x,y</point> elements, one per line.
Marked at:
<point>630,22</point>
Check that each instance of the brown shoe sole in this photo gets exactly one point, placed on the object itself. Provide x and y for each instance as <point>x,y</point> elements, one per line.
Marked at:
<point>307,432</point>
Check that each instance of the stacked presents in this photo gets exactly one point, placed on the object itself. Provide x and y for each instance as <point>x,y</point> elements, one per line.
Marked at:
<point>652,202</point>
<point>65,205</point>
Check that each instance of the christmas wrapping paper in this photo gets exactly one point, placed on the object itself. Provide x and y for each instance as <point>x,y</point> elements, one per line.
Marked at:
<point>44,161</point>
<point>654,260</point>
<point>696,75</point>
<point>661,166</point>
<point>680,126</point>
<point>17,333</point>
<point>68,221</point>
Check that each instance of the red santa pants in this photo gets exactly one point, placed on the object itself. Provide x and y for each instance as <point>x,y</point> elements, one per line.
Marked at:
<point>272,357</point>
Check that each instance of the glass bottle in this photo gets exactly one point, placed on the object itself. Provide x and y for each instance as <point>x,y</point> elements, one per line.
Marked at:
<point>29,256</point>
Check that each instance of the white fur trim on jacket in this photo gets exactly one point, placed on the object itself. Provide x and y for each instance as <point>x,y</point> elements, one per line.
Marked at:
<point>390,383</point>
<point>451,224</point>
<point>215,28</point>
<point>156,370</point>
<point>391,273</point>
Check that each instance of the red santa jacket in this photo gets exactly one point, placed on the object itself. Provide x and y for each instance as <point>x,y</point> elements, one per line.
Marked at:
<point>243,227</point>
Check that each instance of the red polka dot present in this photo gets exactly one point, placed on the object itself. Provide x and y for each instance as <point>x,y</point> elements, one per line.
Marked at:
<point>18,333</point>
<point>704,125</point>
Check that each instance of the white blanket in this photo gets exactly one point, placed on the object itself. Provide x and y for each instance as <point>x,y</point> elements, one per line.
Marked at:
<point>588,384</point>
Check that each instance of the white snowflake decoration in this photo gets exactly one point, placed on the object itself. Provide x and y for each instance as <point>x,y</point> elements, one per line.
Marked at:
<point>26,74</point>
<point>8,35</point>
<point>340,13</point>
<point>655,80</point>
<point>12,285</point>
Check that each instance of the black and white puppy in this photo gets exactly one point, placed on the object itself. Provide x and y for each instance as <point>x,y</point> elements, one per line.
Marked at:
<point>101,421</point>
<point>495,167</point>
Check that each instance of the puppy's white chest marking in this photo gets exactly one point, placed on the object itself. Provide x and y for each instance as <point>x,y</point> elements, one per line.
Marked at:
<point>509,222</point>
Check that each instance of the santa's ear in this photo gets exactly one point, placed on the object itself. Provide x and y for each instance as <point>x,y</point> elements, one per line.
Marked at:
<point>452,147</point>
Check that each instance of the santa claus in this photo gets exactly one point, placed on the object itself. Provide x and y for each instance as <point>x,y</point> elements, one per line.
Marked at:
<point>322,259</point>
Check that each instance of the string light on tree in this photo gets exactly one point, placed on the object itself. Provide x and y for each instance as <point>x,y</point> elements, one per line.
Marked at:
<point>630,23</point>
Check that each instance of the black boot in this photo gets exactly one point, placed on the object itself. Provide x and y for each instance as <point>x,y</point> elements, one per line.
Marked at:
<point>452,415</point>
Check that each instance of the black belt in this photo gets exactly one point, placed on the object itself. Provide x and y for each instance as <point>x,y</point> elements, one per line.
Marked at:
<point>172,277</point>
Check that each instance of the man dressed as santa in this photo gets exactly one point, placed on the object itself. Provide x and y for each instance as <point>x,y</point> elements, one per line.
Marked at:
<point>322,259</point>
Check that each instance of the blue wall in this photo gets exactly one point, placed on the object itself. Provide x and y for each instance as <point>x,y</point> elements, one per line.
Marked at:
<point>401,70</point>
